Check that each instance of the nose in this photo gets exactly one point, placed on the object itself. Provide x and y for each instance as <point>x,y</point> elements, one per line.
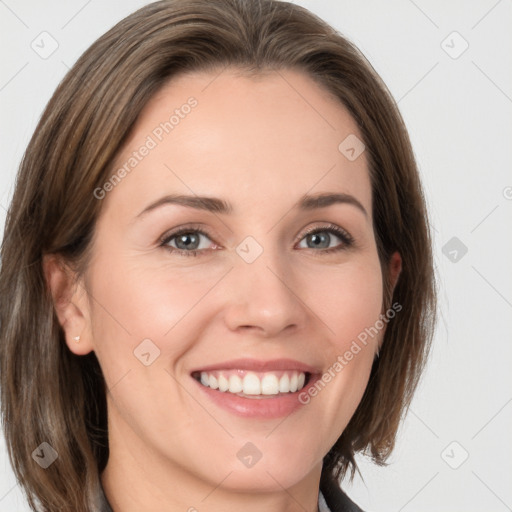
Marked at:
<point>263,297</point>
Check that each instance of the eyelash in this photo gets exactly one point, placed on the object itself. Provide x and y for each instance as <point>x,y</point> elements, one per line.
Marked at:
<point>347,240</point>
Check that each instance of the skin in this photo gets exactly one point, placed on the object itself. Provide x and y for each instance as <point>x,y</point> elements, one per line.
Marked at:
<point>259,144</point>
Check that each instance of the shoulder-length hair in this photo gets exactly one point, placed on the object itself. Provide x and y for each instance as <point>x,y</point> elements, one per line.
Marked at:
<point>48,394</point>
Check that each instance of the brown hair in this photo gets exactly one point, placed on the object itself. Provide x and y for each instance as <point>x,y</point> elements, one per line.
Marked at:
<point>48,393</point>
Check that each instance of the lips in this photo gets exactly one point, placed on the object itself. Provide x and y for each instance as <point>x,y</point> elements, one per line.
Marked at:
<point>256,365</point>
<point>254,388</point>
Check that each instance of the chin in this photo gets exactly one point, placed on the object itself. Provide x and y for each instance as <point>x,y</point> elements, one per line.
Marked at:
<point>263,479</point>
<point>270,473</point>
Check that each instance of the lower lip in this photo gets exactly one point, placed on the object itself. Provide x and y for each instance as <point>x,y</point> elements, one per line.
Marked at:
<point>271,406</point>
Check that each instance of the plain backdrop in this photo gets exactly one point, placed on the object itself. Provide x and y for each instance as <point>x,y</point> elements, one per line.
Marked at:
<point>448,66</point>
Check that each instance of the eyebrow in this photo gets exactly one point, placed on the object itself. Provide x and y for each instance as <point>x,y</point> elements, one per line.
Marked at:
<point>217,205</point>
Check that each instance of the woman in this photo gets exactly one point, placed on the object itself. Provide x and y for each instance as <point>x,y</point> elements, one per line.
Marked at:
<point>254,138</point>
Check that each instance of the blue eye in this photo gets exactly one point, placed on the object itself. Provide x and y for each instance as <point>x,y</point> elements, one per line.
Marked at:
<point>321,237</point>
<point>187,241</point>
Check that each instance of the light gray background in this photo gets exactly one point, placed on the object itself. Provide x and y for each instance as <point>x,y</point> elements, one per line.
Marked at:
<point>458,111</point>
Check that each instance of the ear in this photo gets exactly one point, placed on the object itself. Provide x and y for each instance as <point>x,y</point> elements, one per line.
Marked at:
<point>70,303</point>
<point>394,270</point>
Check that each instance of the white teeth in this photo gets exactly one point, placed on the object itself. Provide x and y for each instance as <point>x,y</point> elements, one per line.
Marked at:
<point>269,384</point>
<point>293,383</point>
<point>252,383</point>
<point>212,382</point>
<point>235,384</point>
<point>223,383</point>
<point>284,384</point>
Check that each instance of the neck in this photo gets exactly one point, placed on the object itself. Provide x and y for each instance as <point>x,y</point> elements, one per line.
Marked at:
<point>137,478</point>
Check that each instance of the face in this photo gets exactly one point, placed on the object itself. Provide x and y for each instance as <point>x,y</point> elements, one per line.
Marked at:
<point>217,322</point>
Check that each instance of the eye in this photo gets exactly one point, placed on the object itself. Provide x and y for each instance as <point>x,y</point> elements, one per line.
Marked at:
<point>186,241</point>
<point>322,237</point>
<point>190,241</point>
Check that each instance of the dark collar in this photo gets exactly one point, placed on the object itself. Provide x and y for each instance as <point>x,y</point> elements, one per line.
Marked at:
<point>336,499</point>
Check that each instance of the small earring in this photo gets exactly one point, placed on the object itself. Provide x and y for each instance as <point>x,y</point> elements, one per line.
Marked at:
<point>77,339</point>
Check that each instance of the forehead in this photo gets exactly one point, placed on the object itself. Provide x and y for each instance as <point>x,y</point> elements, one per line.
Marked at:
<point>261,140</point>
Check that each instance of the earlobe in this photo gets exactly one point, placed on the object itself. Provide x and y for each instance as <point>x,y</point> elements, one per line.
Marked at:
<point>394,271</point>
<point>69,304</point>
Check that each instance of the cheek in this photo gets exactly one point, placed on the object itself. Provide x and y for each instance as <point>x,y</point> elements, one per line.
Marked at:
<point>143,302</point>
<point>135,303</point>
<point>348,300</point>
<point>349,303</point>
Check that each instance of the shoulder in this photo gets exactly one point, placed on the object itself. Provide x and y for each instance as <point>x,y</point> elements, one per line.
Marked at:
<point>336,499</point>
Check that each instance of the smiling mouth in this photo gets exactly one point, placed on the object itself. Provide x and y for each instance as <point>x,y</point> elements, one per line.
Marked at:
<point>250,384</point>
